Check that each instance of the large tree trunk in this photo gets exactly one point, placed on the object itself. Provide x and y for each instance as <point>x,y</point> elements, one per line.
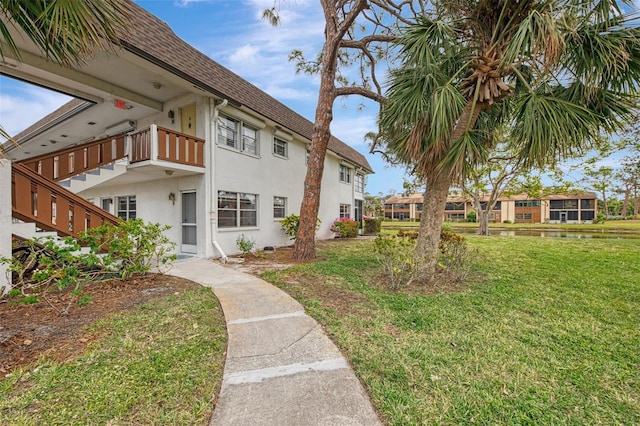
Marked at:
<point>336,25</point>
<point>433,207</point>
<point>439,180</point>
<point>625,202</point>
<point>636,202</point>
<point>483,222</point>
<point>304,247</point>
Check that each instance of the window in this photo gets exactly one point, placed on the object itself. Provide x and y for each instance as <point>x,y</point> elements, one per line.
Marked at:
<point>454,206</point>
<point>528,203</point>
<point>345,210</point>
<point>279,207</point>
<point>280,148</point>
<point>418,207</point>
<point>587,215</point>
<point>236,209</point>
<point>306,158</point>
<point>483,205</point>
<point>570,204</point>
<point>404,206</point>
<point>556,204</point>
<point>357,210</point>
<point>588,204</point>
<point>105,203</point>
<point>358,182</point>
<point>237,135</point>
<point>345,174</point>
<point>524,216</point>
<point>127,207</point>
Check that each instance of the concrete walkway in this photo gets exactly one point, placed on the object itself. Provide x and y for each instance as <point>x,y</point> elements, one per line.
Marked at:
<point>281,368</point>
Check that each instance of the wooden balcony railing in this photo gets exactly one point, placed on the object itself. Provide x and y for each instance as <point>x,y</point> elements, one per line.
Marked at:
<point>51,207</point>
<point>79,159</point>
<point>158,143</point>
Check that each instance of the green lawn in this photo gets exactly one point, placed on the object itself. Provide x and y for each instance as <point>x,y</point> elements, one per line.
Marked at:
<point>159,364</point>
<point>547,334</point>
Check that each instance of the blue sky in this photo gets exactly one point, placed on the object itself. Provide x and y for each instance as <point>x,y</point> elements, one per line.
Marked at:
<point>233,34</point>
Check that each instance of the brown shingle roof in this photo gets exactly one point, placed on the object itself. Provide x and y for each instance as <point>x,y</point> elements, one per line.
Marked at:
<point>154,40</point>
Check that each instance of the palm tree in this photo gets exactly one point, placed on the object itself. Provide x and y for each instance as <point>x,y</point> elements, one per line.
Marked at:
<point>558,72</point>
<point>66,31</point>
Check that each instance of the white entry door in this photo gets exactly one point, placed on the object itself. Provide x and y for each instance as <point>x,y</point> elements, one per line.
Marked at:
<point>189,229</point>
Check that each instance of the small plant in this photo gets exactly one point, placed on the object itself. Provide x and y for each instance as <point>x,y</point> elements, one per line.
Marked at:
<point>291,223</point>
<point>245,244</point>
<point>372,226</point>
<point>345,227</point>
<point>471,217</point>
<point>600,218</point>
<point>454,257</point>
<point>121,250</point>
<point>398,259</point>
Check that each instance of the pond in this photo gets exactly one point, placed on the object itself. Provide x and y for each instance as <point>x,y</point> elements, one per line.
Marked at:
<point>553,233</point>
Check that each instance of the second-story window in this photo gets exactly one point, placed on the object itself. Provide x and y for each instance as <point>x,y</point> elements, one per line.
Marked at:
<point>358,182</point>
<point>280,148</point>
<point>345,174</point>
<point>237,135</point>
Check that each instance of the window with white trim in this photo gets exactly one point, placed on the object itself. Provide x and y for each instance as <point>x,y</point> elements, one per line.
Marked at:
<point>237,135</point>
<point>280,148</point>
<point>237,209</point>
<point>126,207</point>
<point>345,174</point>
<point>358,182</point>
<point>279,207</point>
<point>345,210</point>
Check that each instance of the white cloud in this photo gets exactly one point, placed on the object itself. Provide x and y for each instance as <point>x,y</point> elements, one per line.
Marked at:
<point>352,128</point>
<point>186,3</point>
<point>22,104</point>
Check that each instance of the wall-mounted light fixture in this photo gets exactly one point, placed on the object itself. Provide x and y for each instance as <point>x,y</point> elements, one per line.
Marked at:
<point>172,116</point>
<point>172,198</point>
<point>168,172</point>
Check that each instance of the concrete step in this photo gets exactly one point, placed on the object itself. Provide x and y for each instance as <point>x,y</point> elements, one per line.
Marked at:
<point>95,177</point>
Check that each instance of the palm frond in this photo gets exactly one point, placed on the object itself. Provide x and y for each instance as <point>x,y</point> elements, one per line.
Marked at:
<point>66,31</point>
<point>548,128</point>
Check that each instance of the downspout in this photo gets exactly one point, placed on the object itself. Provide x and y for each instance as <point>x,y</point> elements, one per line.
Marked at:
<point>215,107</point>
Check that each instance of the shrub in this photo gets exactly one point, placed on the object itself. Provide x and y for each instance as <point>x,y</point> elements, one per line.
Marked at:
<point>454,257</point>
<point>506,221</point>
<point>345,227</point>
<point>291,223</point>
<point>471,217</point>
<point>121,250</point>
<point>401,263</point>
<point>133,246</point>
<point>412,235</point>
<point>245,245</point>
<point>372,226</point>
<point>600,218</point>
<point>398,259</point>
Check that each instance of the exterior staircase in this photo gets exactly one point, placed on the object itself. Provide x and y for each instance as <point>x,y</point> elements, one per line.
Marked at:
<point>94,177</point>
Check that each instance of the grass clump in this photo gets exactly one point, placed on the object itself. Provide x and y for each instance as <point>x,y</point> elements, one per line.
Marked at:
<point>547,333</point>
<point>160,363</point>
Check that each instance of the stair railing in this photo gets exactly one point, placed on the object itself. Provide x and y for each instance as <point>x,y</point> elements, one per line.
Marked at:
<point>51,207</point>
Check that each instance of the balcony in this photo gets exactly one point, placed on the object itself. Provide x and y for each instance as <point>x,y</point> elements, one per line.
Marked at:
<point>158,146</point>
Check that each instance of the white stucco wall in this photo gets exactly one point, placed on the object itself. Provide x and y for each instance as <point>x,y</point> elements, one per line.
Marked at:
<point>267,175</point>
<point>5,222</point>
<point>153,204</point>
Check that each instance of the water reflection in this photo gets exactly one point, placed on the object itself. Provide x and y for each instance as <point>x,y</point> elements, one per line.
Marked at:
<point>553,234</point>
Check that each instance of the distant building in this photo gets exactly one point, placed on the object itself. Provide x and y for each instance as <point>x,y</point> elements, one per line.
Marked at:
<point>576,207</point>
